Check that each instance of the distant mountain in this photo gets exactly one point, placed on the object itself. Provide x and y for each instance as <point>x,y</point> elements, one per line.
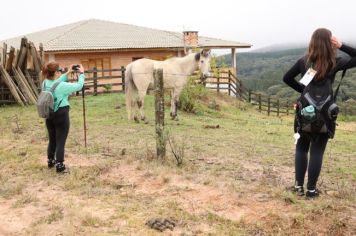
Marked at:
<point>263,70</point>
<point>280,47</point>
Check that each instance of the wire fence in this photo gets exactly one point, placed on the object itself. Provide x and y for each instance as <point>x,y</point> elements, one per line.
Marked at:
<point>222,80</point>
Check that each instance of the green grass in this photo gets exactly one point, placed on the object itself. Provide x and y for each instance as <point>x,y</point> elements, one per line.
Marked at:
<point>116,184</point>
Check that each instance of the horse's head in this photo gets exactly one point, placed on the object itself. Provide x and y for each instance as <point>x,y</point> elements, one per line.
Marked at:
<point>203,59</point>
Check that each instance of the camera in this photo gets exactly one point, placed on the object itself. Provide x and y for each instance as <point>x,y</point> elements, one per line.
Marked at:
<point>75,67</point>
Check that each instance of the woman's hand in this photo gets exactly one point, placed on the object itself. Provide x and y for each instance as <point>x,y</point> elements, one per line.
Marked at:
<point>70,69</point>
<point>81,68</point>
<point>335,42</point>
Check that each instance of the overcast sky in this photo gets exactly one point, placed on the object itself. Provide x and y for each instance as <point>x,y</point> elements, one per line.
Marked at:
<point>261,23</point>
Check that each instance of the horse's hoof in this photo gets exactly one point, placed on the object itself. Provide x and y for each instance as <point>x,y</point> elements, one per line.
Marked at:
<point>136,120</point>
<point>146,122</point>
<point>171,114</point>
<point>176,118</point>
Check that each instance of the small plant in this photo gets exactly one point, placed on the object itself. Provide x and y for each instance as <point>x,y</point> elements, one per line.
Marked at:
<point>177,149</point>
<point>107,87</point>
<point>190,95</point>
<point>92,221</point>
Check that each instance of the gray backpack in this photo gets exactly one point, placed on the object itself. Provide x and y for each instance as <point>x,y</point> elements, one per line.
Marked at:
<point>45,101</point>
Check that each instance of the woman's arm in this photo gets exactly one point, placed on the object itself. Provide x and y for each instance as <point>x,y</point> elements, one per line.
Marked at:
<point>70,88</point>
<point>289,77</point>
<point>74,87</point>
<point>63,77</point>
<point>344,63</point>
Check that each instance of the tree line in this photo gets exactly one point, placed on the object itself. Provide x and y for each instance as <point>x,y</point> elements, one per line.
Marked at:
<point>264,71</point>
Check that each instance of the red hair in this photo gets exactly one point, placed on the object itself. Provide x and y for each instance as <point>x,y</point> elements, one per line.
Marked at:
<point>50,69</point>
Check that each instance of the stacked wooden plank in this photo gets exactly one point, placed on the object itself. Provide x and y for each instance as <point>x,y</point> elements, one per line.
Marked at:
<point>20,73</point>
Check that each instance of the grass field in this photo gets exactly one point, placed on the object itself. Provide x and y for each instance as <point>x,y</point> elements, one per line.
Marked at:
<point>236,168</point>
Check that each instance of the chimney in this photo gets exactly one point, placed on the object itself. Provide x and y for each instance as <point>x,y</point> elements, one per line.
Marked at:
<point>190,38</point>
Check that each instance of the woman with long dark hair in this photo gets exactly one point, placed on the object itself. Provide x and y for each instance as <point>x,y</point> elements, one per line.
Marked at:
<point>58,125</point>
<point>322,61</point>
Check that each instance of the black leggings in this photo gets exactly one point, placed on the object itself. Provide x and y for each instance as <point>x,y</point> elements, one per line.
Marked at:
<point>317,145</point>
<point>58,128</point>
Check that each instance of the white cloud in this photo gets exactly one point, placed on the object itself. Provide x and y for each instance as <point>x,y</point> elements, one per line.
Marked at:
<point>258,22</point>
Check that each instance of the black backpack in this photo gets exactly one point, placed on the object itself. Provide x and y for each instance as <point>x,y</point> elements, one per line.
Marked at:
<point>316,110</point>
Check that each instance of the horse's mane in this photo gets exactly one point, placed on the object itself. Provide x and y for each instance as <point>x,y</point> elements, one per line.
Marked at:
<point>178,58</point>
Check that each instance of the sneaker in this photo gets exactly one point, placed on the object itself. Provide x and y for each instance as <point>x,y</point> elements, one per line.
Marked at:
<point>299,190</point>
<point>60,167</point>
<point>312,193</point>
<point>51,163</point>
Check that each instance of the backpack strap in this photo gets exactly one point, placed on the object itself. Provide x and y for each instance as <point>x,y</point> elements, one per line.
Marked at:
<point>338,87</point>
<point>54,86</point>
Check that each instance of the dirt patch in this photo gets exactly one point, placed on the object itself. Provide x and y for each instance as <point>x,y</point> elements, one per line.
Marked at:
<point>196,198</point>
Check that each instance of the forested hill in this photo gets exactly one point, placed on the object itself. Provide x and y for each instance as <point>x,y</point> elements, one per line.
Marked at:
<point>263,71</point>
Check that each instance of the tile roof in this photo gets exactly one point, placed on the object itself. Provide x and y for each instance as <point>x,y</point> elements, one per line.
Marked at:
<point>100,35</point>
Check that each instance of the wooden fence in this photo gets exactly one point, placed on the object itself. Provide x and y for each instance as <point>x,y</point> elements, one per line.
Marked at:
<point>105,80</point>
<point>223,80</point>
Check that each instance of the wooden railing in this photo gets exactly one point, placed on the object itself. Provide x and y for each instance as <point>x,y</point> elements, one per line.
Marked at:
<point>223,80</point>
<point>97,81</point>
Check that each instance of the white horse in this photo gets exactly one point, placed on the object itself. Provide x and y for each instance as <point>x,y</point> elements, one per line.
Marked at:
<point>139,77</point>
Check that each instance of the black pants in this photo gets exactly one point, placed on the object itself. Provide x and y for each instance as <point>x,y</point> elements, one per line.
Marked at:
<point>317,145</point>
<point>58,128</point>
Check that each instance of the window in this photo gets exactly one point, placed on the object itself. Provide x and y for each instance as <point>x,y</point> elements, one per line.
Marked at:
<point>99,63</point>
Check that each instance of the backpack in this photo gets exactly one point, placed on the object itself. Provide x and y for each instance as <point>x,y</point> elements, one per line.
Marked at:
<point>316,110</point>
<point>45,102</point>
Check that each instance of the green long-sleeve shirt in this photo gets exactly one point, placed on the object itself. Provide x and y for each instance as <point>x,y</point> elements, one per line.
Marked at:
<point>64,89</point>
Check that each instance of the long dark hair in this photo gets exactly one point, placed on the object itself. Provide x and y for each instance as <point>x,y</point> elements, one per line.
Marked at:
<point>321,54</point>
<point>49,70</point>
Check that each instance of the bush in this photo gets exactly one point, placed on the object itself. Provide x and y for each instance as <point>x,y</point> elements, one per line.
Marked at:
<point>189,98</point>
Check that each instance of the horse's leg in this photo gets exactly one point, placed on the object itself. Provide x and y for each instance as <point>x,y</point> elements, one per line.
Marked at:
<point>135,111</point>
<point>174,103</point>
<point>140,104</point>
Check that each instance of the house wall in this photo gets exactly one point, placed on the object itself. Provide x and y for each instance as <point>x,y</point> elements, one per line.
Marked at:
<point>117,58</point>
<point>108,60</point>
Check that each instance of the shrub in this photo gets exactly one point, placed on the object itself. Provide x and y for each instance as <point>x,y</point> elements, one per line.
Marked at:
<point>189,98</point>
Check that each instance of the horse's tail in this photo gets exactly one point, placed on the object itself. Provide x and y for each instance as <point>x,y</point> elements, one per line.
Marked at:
<point>130,91</point>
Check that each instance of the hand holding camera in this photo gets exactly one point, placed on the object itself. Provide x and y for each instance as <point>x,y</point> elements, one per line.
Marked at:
<point>77,68</point>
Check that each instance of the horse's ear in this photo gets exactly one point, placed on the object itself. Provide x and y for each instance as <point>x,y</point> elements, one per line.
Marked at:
<point>205,52</point>
<point>197,56</point>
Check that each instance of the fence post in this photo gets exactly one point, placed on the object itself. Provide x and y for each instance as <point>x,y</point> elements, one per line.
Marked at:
<point>240,88</point>
<point>159,113</point>
<point>218,81</point>
<point>229,83</point>
<point>278,107</point>
<point>249,95</point>
<point>95,81</point>
<point>259,102</point>
<point>123,78</point>
<point>268,105</point>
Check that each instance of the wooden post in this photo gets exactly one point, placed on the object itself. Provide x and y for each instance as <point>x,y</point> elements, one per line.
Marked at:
<point>95,81</point>
<point>259,102</point>
<point>41,55</point>
<point>249,95</point>
<point>123,78</point>
<point>10,60</point>
<point>159,113</point>
<point>240,88</point>
<point>218,82</point>
<point>229,86</point>
<point>4,52</point>
<point>22,54</point>
<point>268,105</point>
<point>233,60</point>
<point>278,107</point>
